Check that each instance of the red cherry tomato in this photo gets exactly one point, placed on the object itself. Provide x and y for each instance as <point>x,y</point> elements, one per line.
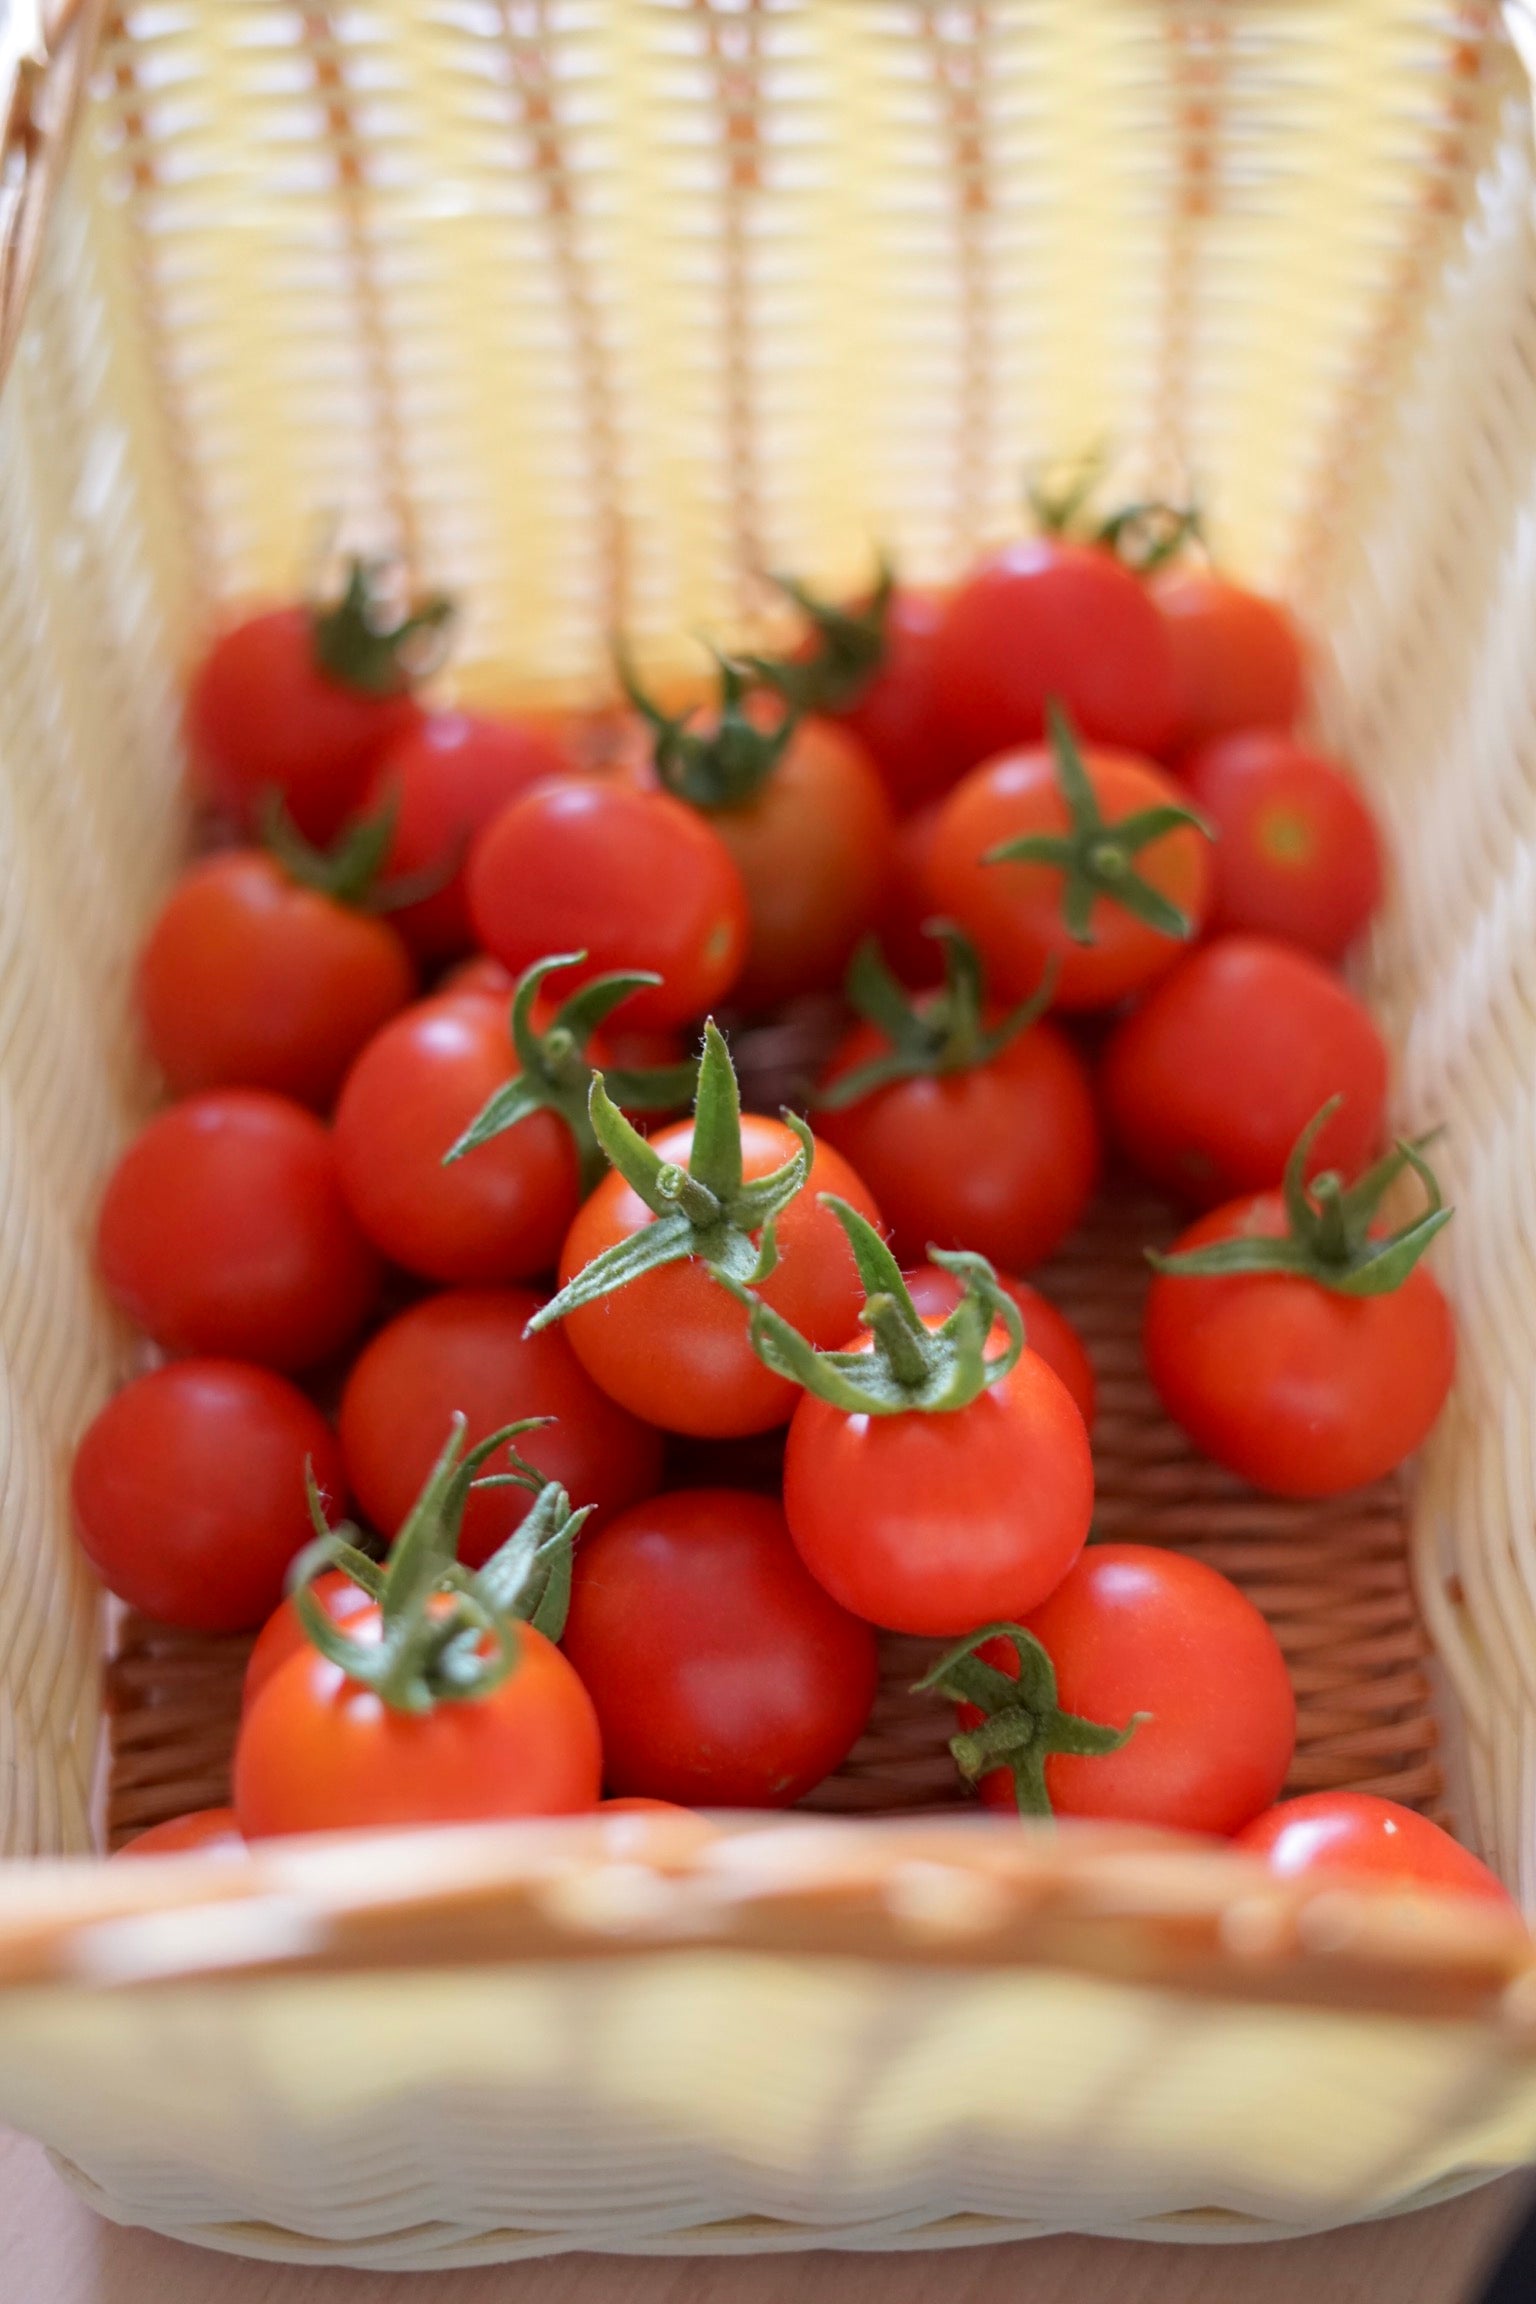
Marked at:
<point>634,879</point>
<point>447,777</point>
<point>502,1211</point>
<point>915,957</point>
<point>206,1831</point>
<point>1208,1084</point>
<point>1136,1629</point>
<point>465,1352</point>
<point>897,715</point>
<point>1001,1158</point>
<point>1297,853</point>
<point>672,1346</point>
<point>812,847</point>
<point>1044,619</point>
<point>723,1676</point>
<point>224,1231</point>
<point>1049,1332</point>
<point>1013,912</point>
<point>248,980</point>
<point>263,715</point>
<point>189,1491</point>
<point>1237,661</point>
<point>1356,1836</point>
<point>936,1523</point>
<point>283,1635</point>
<point>318,1753</point>
<point>1296,1388</point>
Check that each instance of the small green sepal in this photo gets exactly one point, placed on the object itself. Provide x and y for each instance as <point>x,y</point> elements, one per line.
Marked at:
<point>850,646</point>
<point>939,1032</point>
<point>361,643</point>
<point>727,767</point>
<point>1023,1723</point>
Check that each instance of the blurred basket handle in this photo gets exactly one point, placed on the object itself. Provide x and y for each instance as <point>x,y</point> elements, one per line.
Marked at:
<point>45,53</point>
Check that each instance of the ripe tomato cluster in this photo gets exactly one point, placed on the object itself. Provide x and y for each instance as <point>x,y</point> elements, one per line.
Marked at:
<point>653,1411</point>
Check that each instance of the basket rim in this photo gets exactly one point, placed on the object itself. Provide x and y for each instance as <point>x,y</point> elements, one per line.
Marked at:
<point>46,49</point>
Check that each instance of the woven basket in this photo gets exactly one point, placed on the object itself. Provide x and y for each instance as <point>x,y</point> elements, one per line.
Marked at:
<point>593,310</point>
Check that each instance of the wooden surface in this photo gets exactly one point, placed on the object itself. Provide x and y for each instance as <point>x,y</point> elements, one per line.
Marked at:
<point>54,2251</point>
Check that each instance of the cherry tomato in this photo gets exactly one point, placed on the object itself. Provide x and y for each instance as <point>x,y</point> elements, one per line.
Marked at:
<point>263,715</point>
<point>1208,1084</point>
<point>936,1523</point>
<point>318,1753</point>
<point>283,1634</point>
<point>447,776</point>
<point>1045,619</point>
<point>723,1676</point>
<point>897,715</point>
<point>634,879</point>
<point>1136,1629</point>
<point>812,847</point>
<point>206,1831</point>
<point>1293,1386</point>
<point>189,1491</point>
<point>1001,1158</point>
<point>1297,853</point>
<point>465,1351</point>
<point>1356,1836</point>
<point>1237,661</point>
<point>672,1346</point>
<point>248,980</point>
<point>501,1212</point>
<point>914,956</point>
<point>224,1231</point>
<point>1014,911</point>
<point>1048,1330</point>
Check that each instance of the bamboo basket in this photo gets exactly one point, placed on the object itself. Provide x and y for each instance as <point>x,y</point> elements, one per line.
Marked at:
<point>593,310</point>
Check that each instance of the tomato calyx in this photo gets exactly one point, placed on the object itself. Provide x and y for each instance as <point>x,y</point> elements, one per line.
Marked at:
<point>1143,535</point>
<point>911,1367</point>
<point>850,646</point>
<point>1098,859</point>
<point>726,767</point>
<point>448,1634</point>
<point>1022,1723</point>
<point>943,1031</point>
<point>362,642</point>
<point>555,1073</point>
<point>1330,1240</point>
<point>707,1210</point>
<point>350,871</point>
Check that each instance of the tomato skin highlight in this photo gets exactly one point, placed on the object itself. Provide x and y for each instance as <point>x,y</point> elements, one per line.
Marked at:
<point>1207,1085</point>
<point>897,715</point>
<point>502,1211</point>
<point>1237,661</point>
<point>223,1231</point>
<point>813,849</point>
<point>447,776</point>
<point>465,1351</point>
<point>722,1673</point>
<point>672,1346</point>
<point>262,716</point>
<point>1047,1329</point>
<point>1297,851</point>
<point>319,1753</point>
<point>1012,911</point>
<point>1045,619</point>
<point>188,1491</point>
<point>1002,1158</point>
<point>1359,1837</point>
<point>634,879</point>
<point>248,980</point>
<point>204,1831</point>
<point>1299,1390</point>
<point>283,1635</point>
<point>936,1523</point>
<point>1137,1629</point>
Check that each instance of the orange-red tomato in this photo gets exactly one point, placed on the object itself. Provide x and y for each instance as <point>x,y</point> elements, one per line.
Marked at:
<point>1013,912</point>
<point>464,1352</point>
<point>1237,661</point>
<point>1297,851</point>
<point>1047,1330</point>
<point>1358,1837</point>
<point>283,1634</point>
<point>897,715</point>
<point>672,1346</point>
<point>447,776</point>
<point>204,1831</point>
<point>317,1752</point>
<point>249,980</point>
